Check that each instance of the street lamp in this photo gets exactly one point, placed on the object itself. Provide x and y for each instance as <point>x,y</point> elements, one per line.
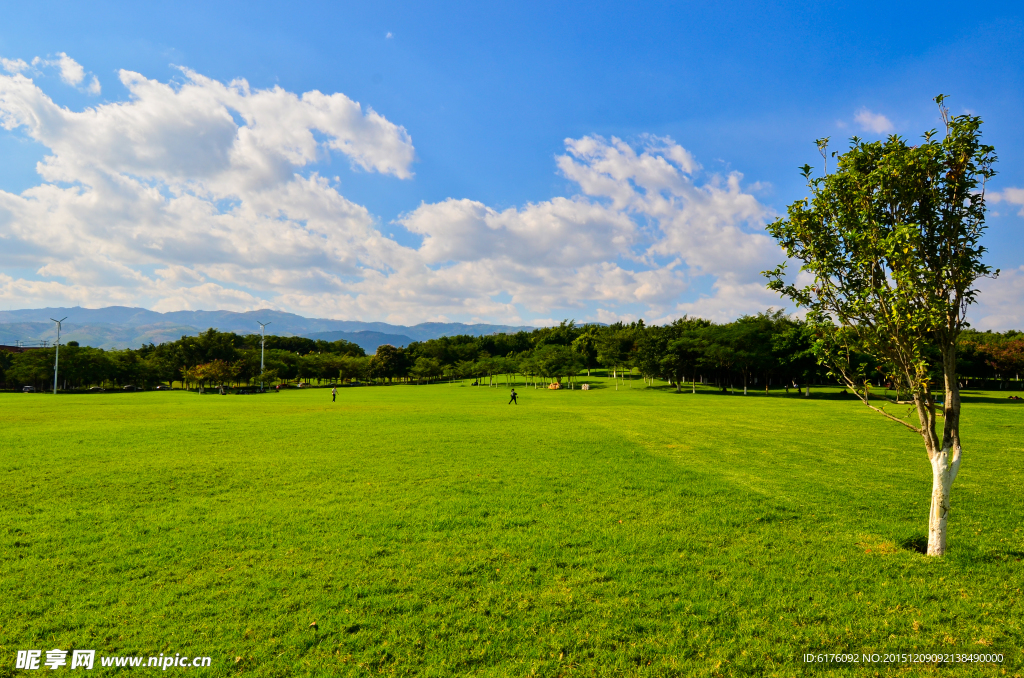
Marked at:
<point>263,340</point>
<point>56,356</point>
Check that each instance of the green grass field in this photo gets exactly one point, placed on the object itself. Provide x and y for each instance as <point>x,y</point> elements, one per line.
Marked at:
<point>436,531</point>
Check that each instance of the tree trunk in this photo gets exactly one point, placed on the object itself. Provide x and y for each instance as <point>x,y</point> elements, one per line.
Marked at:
<point>945,465</point>
<point>944,456</point>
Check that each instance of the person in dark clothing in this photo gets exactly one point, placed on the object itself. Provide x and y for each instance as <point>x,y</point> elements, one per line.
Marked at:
<point>513,398</point>
<point>334,393</point>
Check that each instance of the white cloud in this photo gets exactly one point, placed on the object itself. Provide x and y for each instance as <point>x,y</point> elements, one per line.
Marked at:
<point>611,317</point>
<point>640,231</point>
<point>204,195</point>
<point>71,71</point>
<point>999,304</point>
<point>14,65</point>
<point>873,122</point>
<point>389,36</point>
<point>732,299</point>
<point>701,225</point>
<point>1014,196</point>
<point>562,231</point>
<point>201,177</point>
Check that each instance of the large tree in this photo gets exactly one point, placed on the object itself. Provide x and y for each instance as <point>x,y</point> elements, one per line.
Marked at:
<point>388,362</point>
<point>892,241</point>
<point>684,351</point>
<point>586,345</point>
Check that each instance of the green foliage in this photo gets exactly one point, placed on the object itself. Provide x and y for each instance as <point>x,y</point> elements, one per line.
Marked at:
<point>615,345</point>
<point>5,363</point>
<point>586,346</point>
<point>388,363</point>
<point>892,240</point>
<point>556,361</point>
<point>426,369</point>
<point>564,334</point>
<point>687,343</point>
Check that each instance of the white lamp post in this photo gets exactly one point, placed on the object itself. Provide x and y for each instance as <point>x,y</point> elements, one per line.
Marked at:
<point>263,340</point>
<point>56,356</point>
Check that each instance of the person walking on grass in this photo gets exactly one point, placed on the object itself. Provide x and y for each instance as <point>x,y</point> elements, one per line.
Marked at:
<point>514,396</point>
<point>334,393</point>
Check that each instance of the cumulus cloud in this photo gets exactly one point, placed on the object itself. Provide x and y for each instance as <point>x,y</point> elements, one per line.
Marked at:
<point>873,122</point>
<point>999,302</point>
<point>1013,196</point>
<point>640,230</point>
<point>202,177</point>
<point>204,194</point>
<point>14,65</point>
<point>71,71</point>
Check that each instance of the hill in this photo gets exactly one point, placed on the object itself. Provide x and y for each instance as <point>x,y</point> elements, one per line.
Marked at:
<point>125,327</point>
<point>367,339</point>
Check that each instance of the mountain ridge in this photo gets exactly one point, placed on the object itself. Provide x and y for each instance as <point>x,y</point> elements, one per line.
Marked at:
<point>129,327</point>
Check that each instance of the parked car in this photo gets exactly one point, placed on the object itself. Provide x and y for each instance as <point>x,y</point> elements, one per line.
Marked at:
<point>96,389</point>
<point>162,387</point>
<point>28,389</point>
<point>129,387</point>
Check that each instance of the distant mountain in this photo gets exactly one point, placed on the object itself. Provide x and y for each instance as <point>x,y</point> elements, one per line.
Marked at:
<point>102,336</point>
<point>123,327</point>
<point>365,338</point>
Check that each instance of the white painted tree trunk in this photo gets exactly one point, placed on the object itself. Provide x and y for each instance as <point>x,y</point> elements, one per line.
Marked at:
<point>945,465</point>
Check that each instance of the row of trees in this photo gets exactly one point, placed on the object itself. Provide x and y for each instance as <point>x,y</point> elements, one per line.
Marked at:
<point>212,357</point>
<point>762,351</point>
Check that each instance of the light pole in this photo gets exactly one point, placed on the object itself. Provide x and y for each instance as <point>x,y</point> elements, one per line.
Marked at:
<point>263,340</point>
<point>56,356</point>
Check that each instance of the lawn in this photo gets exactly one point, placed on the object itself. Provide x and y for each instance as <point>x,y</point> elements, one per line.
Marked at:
<point>436,531</point>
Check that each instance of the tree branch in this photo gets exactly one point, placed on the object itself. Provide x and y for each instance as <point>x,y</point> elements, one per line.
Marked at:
<point>896,419</point>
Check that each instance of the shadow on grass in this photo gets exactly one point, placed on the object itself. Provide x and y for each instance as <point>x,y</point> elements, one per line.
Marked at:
<point>593,387</point>
<point>990,399</point>
<point>917,542</point>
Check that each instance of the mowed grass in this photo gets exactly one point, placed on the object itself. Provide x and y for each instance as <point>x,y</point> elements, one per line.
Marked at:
<point>436,531</point>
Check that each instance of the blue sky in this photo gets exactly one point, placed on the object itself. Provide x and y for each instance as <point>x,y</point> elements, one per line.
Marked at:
<point>508,174</point>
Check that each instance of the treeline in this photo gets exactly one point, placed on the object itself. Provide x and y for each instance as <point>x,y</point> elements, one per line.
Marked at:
<point>210,358</point>
<point>764,350</point>
<point>759,351</point>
